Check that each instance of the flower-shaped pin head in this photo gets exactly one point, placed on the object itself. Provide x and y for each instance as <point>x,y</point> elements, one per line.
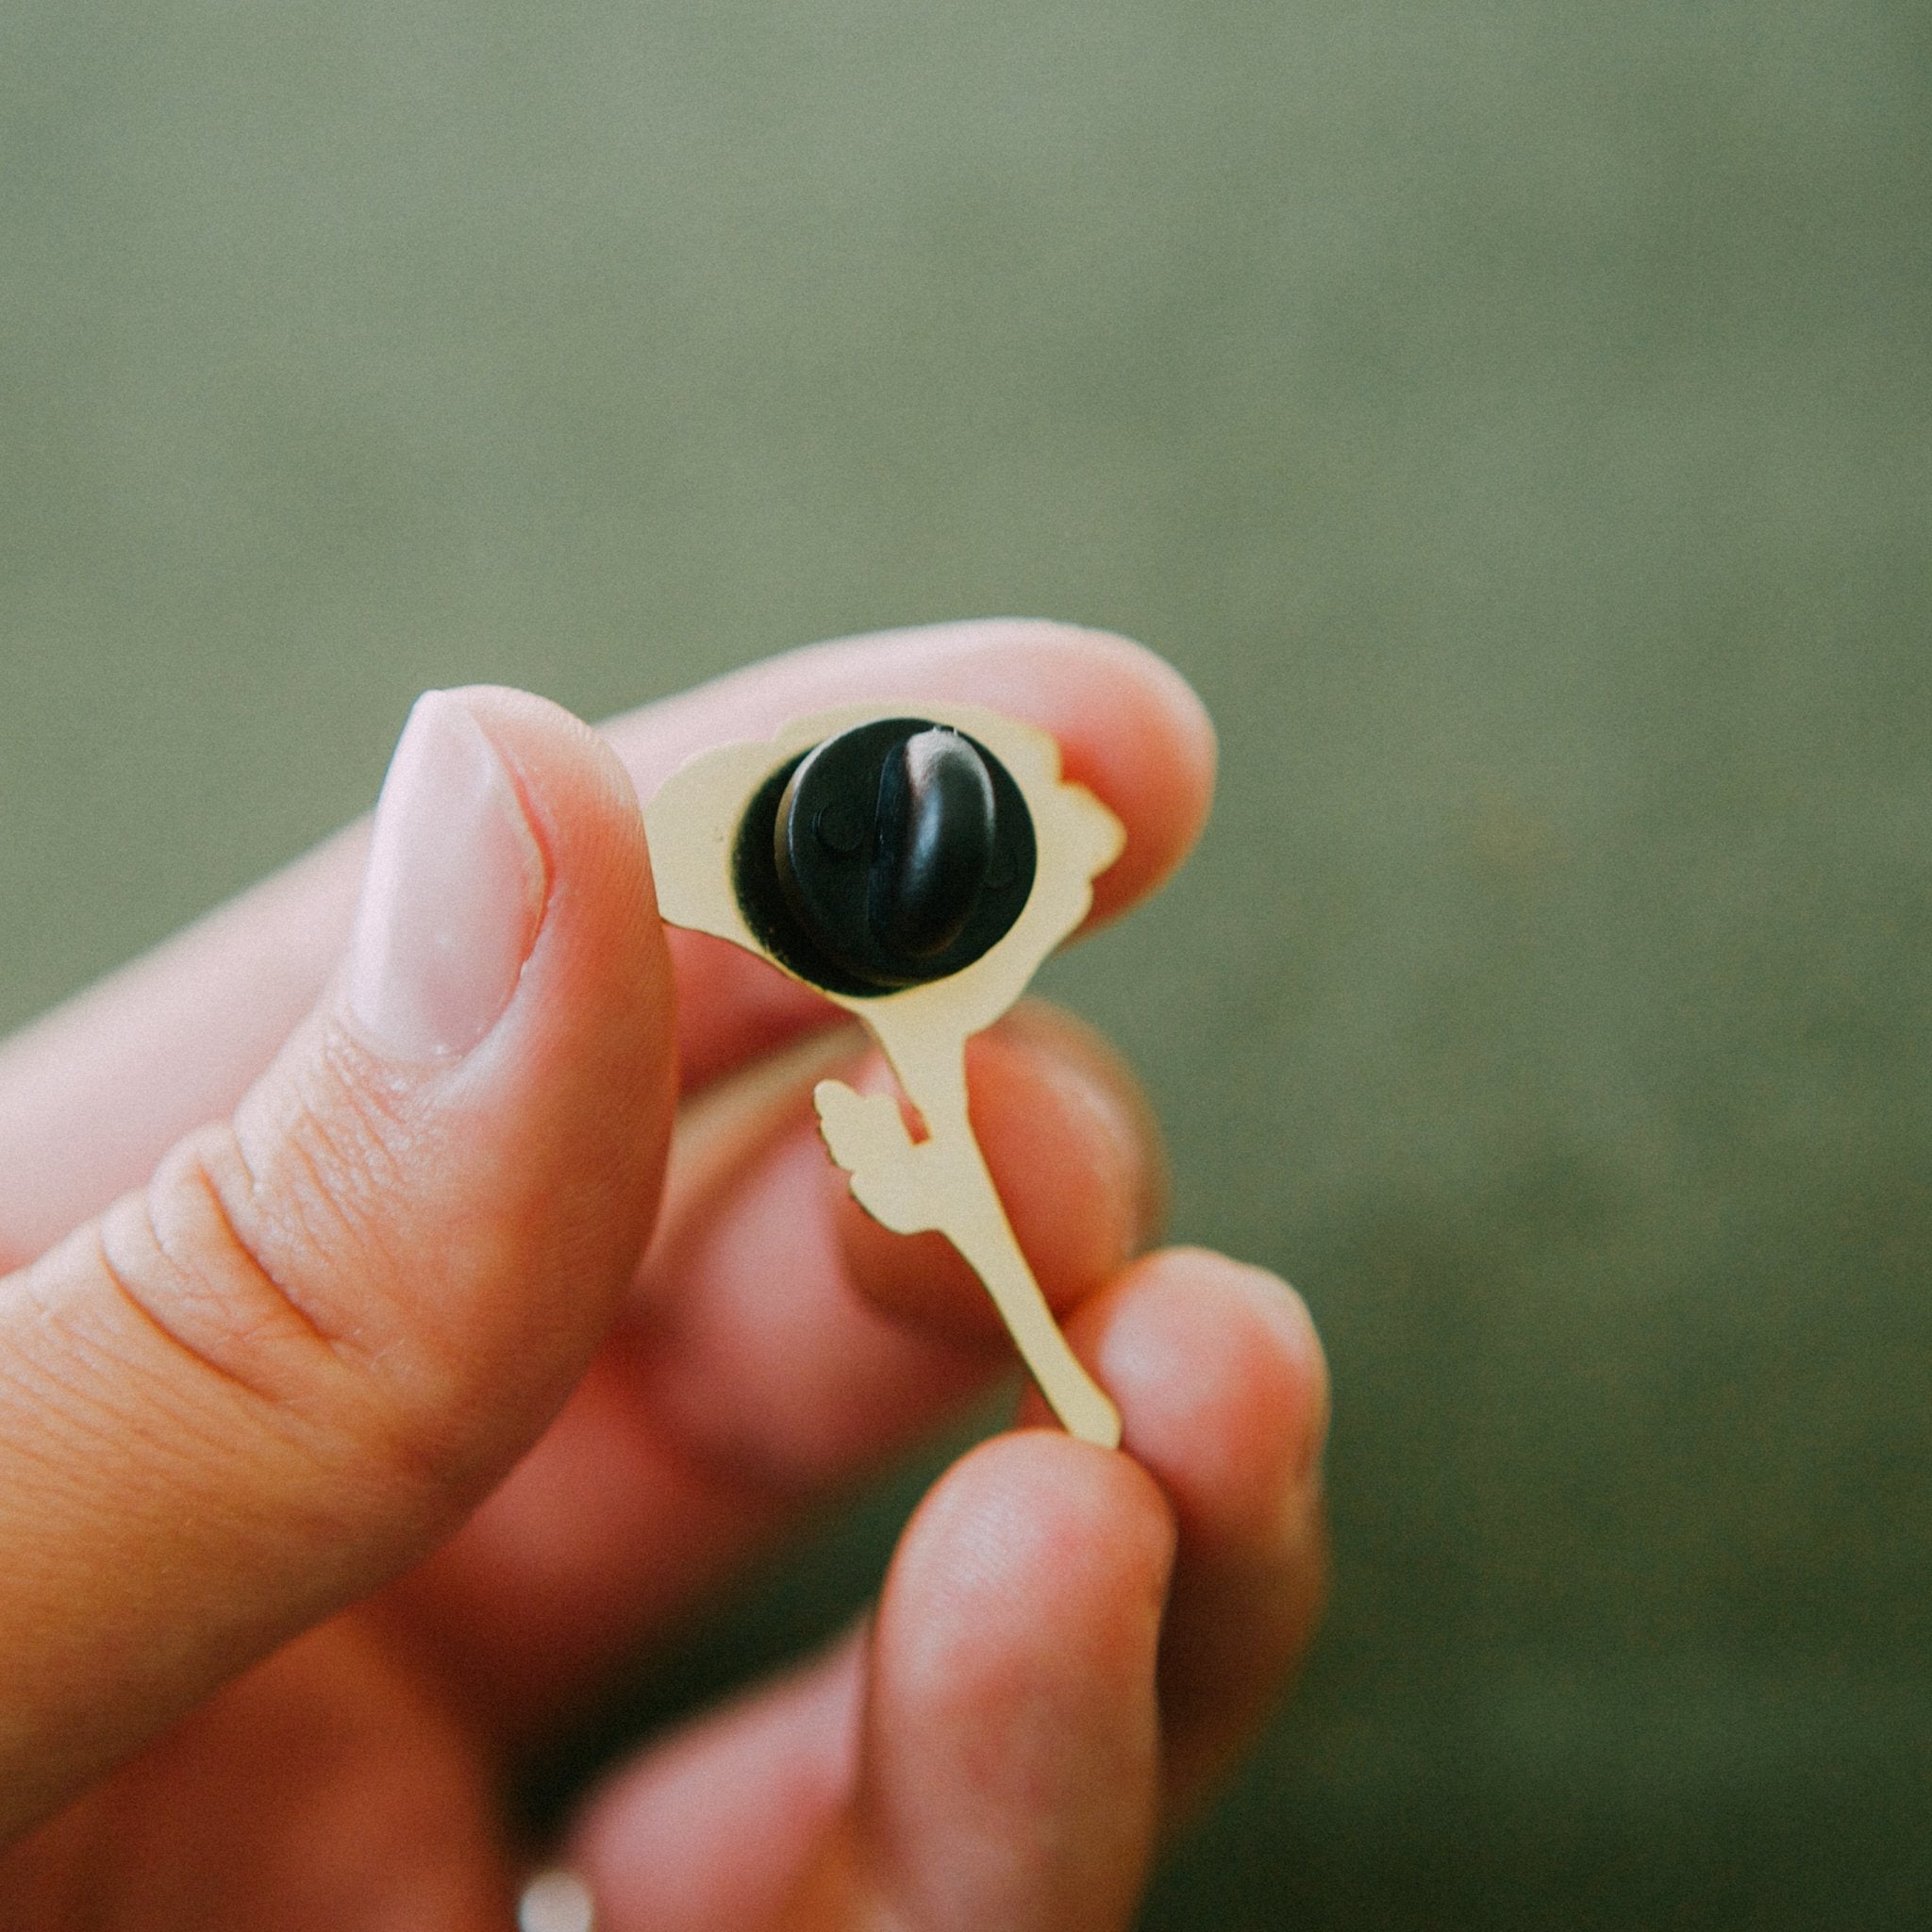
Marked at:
<point>915,864</point>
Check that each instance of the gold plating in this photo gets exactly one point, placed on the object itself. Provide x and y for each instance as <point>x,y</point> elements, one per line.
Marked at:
<point>940,1183</point>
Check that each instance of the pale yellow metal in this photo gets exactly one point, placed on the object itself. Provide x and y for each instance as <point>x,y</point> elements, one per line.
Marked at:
<point>941,1182</point>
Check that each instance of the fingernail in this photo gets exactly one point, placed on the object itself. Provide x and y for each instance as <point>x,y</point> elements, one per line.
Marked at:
<point>453,894</point>
<point>556,1901</point>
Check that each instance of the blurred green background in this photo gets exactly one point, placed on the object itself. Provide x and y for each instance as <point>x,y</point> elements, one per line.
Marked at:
<point>1516,421</point>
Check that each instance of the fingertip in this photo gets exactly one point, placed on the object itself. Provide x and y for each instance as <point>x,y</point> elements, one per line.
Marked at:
<point>583,808</point>
<point>1010,1760</point>
<point>1130,728</point>
<point>1136,733</point>
<point>1223,1388</point>
<point>1224,1395</point>
<point>1031,1528</point>
<point>572,784</point>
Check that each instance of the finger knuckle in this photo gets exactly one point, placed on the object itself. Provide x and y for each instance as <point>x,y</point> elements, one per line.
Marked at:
<point>224,1264</point>
<point>191,1250</point>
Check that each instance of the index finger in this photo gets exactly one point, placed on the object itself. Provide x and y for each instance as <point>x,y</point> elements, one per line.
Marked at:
<point>96,1093</point>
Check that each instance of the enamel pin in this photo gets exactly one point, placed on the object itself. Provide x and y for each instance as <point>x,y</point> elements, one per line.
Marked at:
<point>915,867</point>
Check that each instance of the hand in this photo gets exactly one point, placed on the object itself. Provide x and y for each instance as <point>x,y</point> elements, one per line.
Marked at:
<point>347,1445</point>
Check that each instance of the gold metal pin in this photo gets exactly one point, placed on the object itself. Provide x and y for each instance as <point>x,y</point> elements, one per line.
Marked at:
<point>915,864</point>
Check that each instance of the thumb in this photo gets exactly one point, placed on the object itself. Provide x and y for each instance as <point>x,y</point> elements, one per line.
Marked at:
<point>278,1374</point>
